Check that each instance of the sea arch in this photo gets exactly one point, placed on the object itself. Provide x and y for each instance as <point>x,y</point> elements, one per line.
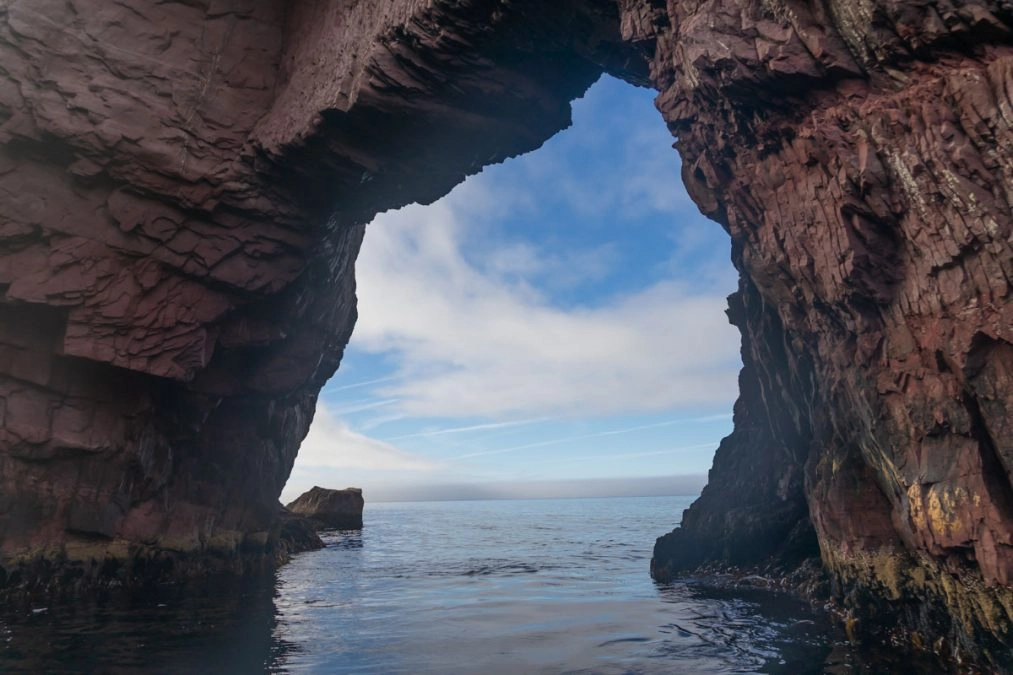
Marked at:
<point>186,186</point>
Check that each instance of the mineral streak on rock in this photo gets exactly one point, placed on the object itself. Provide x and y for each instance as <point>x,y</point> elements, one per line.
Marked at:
<point>335,509</point>
<point>184,187</point>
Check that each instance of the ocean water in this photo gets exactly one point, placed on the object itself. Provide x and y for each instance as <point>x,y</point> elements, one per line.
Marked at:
<point>541,586</point>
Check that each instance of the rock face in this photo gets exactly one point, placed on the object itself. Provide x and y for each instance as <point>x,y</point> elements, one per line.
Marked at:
<point>295,535</point>
<point>859,155</point>
<point>336,509</point>
<point>184,187</point>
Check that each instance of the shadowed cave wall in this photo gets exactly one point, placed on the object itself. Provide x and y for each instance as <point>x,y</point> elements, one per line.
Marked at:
<point>184,187</point>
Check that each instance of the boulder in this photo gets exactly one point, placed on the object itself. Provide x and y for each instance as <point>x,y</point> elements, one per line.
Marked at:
<point>331,509</point>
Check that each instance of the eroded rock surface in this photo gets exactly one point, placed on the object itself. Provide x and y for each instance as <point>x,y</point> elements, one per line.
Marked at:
<point>295,535</point>
<point>859,155</point>
<point>184,187</point>
<point>326,508</point>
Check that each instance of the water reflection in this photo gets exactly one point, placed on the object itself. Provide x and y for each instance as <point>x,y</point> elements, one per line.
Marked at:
<point>768,632</point>
<point>779,634</point>
<point>224,626</point>
<point>563,588</point>
<point>342,539</point>
<point>220,625</point>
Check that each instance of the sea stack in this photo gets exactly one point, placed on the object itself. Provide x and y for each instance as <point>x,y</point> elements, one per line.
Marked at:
<point>330,509</point>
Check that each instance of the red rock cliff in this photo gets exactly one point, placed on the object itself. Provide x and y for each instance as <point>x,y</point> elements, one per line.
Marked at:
<point>859,155</point>
<point>184,187</point>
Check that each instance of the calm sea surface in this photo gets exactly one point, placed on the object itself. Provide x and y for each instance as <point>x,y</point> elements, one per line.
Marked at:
<point>542,586</point>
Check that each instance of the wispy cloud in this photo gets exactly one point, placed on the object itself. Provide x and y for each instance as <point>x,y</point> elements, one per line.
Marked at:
<point>462,295</point>
<point>365,405</point>
<point>356,385</point>
<point>490,426</point>
<point>331,443</point>
<point>628,455</point>
<point>667,451</point>
<point>597,434</point>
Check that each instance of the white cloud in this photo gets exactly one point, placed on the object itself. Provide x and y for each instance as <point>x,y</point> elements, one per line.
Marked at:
<point>330,443</point>
<point>470,342</point>
<point>491,324</point>
<point>523,264</point>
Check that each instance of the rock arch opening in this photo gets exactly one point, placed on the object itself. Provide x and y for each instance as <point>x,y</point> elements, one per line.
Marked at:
<point>554,326</point>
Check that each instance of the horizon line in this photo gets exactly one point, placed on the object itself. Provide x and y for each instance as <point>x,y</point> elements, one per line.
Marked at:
<point>526,499</point>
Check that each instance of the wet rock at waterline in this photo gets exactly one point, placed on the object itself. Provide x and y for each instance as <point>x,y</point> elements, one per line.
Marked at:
<point>330,509</point>
<point>296,534</point>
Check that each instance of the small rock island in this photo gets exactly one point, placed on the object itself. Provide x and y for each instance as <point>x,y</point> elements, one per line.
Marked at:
<point>330,509</point>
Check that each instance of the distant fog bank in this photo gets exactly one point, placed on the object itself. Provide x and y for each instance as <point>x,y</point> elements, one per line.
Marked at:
<point>559,489</point>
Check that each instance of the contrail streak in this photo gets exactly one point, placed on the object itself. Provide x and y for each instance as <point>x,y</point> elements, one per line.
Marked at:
<point>473,427</point>
<point>356,385</point>
<point>359,407</point>
<point>613,432</point>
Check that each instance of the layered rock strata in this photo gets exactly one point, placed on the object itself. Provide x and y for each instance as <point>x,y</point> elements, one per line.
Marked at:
<point>184,187</point>
<point>859,156</point>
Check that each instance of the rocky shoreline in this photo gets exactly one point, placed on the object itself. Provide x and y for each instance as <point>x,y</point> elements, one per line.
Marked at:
<point>85,571</point>
<point>870,641</point>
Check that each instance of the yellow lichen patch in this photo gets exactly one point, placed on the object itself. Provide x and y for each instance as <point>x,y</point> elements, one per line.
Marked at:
<point>917,576</point>
<point>939,518</point>
<point>939,510</point>
<point>970,603</point>
<point>887,570</point>
<point>890,570</point>
<point>943,510</point>
<point>917,513</point>
<point>851,628</point>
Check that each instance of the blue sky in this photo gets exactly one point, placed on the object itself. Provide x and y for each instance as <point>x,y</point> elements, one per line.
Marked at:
<point>558,318</point>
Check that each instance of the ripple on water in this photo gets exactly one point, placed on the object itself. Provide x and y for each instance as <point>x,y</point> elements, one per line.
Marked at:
<point>454,587</point>
<point>440,596</point>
